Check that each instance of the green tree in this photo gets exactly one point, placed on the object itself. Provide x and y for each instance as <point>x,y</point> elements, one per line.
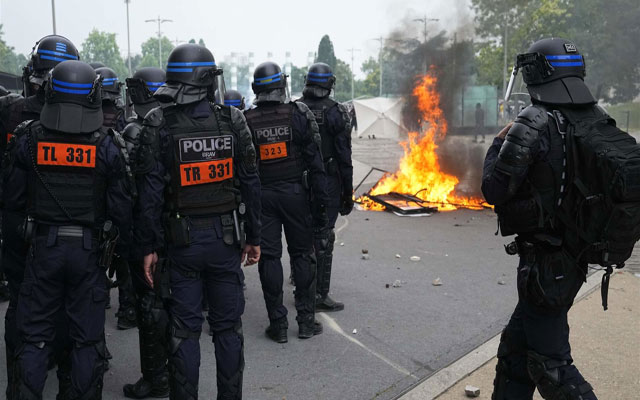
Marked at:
<point>297,78</point>
<point>102,47</point>
<point>371,84</point>
<point>601,29</point>
<point>325,52</point>
<point>150,52</point>
<point>343,81</point>
<point>10,61</point>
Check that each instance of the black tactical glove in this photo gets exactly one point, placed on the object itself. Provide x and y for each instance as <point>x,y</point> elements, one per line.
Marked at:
<point>120,268</point>
<point>346,204</point>
<point>320,218</point>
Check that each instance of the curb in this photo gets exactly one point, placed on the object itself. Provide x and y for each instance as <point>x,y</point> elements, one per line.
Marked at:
<point>438,383</point>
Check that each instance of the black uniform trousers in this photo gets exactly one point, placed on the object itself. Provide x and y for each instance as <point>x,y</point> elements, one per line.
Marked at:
<point>211,266</point>
<point>535,329</point>
<point>14,254</point>
<point>286,205</point>
<point>62,273</point>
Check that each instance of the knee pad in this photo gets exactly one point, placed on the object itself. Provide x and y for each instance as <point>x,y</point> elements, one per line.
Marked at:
<point>179,333</point>
<point>548,376</point>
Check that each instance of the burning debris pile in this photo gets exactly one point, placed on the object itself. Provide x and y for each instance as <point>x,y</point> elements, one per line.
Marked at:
<point>420,185</point>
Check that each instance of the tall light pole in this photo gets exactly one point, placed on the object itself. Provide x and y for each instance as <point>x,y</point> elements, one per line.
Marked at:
<point>352,50</point>
<point>504,71</point>
<point>381,40</point>
<point>53,15</point>
<point>160,21</point>
<point>425,20</point>
<point>128,38</point>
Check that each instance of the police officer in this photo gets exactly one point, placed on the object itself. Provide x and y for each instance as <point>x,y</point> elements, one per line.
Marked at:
<point>335,130</point>
<point>112,103</point>
<point>235,99</point>
<point>290,166</point>
<point>14,109</point>
<point>151,314</point>
<point>524,175</point>
<point>201,181</point>
<point>76,198</point>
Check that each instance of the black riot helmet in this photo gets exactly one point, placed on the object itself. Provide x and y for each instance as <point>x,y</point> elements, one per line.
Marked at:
<point>191,75</point>
<point>234,98</point>
<point>45,55</point>
<point>96,64</point>
<point>111,85</point>
<point>142,86</point>
<point>268,76</point>
<point>73,102</point>
<point>554,72</point>
<point>320,74</point>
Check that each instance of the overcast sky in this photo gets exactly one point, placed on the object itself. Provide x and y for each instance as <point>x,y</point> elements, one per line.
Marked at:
<point>275,26</point>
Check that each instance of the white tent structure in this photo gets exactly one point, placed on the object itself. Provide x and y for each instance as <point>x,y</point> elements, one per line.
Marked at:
<point>380,116</point>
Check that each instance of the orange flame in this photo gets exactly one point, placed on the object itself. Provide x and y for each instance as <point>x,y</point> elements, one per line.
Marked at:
<point>419,170</point>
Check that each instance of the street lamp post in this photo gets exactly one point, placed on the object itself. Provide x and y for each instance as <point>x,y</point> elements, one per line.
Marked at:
<point>53,15</point>
<point>128,38</point>
<point>160,21</point>
<point>381,40</point>
<point>352,50</point>
<point>425,20</point>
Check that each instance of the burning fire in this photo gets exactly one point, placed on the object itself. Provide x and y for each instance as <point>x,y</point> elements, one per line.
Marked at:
<point>419,171</point>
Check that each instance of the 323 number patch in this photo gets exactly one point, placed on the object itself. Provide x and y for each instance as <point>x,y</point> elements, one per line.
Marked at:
<point>206,172</point>
<point>273,151</point>
<point>67,155</point>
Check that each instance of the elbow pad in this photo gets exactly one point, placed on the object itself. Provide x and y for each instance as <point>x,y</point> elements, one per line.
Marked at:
<point>149,147</point>
<point>245,142</point>
<point>312,125</point>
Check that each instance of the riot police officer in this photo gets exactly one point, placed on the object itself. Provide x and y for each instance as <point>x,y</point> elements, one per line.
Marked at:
<point>335,130</point>
<point>290,167</point>
<point>151,313</point>
<point>14,109</point>
<point>235,99</point>
<point>201,181</point>
<point>76,198</point>
<point>524,177</point>
<point>112,103</point>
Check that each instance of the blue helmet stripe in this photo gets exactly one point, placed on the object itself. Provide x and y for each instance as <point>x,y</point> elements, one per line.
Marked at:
<point>73,85</point>
<point>154,83</point>
<point>54,58</point>
<point>270,81</point>
<point>179,69</point>
<point>71,91</point>
<point>152,88</point>
<point>567,64</point>
<point>109,79</point>
<point>317,80</point>
<point>56,53</point>
<point>319,75</point>
<point>232,102</point>
<point>565,57</point>
<point>192,64</point>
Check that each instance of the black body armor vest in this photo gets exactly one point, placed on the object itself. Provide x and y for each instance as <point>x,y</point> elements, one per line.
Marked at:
<point>280,158</point>
<point>532,210</point>
<point>319,108</point>
<point>69,190</point>
<point>202,177</point>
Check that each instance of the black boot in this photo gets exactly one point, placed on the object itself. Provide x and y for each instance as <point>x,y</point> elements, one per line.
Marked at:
<point>277,330</point>
<point>308,327</point>
<point>328,304</point>
<point>157,387</point>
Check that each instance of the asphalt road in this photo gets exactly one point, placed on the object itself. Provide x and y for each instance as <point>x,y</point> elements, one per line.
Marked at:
<point>403,334</point>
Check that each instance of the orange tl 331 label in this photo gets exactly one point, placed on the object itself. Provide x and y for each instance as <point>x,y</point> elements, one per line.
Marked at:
<point>273,151</point>
<point>206,172</point>
<point>67,154</point>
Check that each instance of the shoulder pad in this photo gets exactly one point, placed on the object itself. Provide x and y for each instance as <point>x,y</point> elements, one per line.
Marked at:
<point>154,118</point>
<point>303,108</point>
<point>8,100</point>
<point>22,127</point>
<point>117,138</point>
<point>534,116</point>
<point>238,120</point>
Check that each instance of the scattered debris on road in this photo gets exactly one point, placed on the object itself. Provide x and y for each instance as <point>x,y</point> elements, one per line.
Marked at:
<point>437,282</point>
<point>501,281</point>
<point>398,256</point>
<point>472,391</point>
<point>355,331</point>
<point>415,258</point>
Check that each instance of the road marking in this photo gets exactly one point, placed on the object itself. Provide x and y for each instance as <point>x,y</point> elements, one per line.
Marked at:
<point>334,325</point>
<point>441,381</point>
<point>346,223</point>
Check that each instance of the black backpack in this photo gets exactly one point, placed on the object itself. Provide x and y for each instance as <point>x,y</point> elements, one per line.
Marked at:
<point>601,207</point>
